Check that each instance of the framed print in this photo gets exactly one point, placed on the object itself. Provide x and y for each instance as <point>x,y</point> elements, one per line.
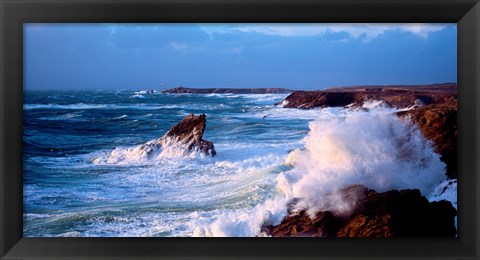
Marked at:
<point>241,130</point>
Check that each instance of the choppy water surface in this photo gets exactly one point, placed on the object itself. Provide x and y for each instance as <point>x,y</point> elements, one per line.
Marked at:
<point>80,180</point>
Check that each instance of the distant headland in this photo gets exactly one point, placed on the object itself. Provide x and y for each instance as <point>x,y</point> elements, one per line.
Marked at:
<point>183,90</point>
<point>400,96</point>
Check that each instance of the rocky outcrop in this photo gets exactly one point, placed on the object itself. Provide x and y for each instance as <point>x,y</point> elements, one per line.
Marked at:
<point>438,123</point>
<point>312,99</point>
<point>182,90</point>
<point>188,133</point>
<point>392,213</point>
<point>387,214</point>
<point>394,96</point>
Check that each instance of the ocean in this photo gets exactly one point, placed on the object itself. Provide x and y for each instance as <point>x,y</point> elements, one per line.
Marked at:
<point>81,178</point>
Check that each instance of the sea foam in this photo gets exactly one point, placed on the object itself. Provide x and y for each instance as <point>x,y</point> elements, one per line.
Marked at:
<point>379,151</point>
<point>151,151</point>
<point>375,149</point>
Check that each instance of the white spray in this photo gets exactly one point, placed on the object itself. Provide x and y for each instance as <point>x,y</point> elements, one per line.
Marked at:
<point>151,151</point>
<point>375,149</point>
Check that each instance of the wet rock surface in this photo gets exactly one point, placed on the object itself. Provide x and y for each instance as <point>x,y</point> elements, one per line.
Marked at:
<point>188,132</point>
<point>438,123</point>
<point>388,214</point>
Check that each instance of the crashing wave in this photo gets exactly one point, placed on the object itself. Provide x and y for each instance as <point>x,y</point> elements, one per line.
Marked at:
<point>376,150</point>
<point>182,138</point>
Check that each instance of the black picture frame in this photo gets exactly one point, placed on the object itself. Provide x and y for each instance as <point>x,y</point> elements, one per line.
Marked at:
<point>13,13</point>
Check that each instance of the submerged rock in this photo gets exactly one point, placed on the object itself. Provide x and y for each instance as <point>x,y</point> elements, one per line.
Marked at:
<point>388,214</point>
<point>188,132</point>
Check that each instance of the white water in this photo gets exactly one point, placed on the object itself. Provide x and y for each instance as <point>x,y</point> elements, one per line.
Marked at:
<point>375,149</point>
<point>175,192</point>
<point>379,151</point>
<point>168,148</point>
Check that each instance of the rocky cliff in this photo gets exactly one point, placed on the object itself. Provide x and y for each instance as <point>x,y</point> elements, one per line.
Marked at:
<point>433,108</point>
<point>438,123</point>
<point>394,96</point>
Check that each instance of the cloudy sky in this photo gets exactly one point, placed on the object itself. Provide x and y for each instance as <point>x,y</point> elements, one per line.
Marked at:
<point>296,56</point>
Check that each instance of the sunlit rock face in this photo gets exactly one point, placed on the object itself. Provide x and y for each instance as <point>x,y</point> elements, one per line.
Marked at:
<point>188,132</point>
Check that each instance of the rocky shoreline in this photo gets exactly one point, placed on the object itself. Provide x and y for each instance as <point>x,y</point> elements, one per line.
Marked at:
<point>394,213</point>
<point>433,109</point>
<point>387,214</point>
<point>438,123</point>
<point>394,96</point>
<point>182,90</point>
